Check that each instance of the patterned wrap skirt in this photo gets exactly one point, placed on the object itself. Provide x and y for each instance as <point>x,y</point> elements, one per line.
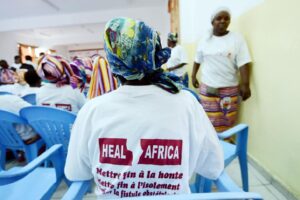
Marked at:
<point>221,105</point>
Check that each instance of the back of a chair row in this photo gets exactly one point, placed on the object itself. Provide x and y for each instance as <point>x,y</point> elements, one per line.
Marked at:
<point>30,98</point>
<point>52,124</point>
<point>9,136</point>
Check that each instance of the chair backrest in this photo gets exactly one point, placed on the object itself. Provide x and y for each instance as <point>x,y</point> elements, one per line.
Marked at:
<point>30,98</point>
<point>52,124</point>
<point>3,93</point>
<point>9,137</point>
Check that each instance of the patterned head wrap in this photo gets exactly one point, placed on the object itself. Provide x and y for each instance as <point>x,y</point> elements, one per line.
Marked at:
<point>82,70</point>
<point>218,10</point>
<point>7,76</point>
<point>134,52</point>
<point>173,37</point>
<point>54,69</point>
<point>102,80</point>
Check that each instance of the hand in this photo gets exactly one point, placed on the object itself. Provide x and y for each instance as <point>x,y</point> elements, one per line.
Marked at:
<point>245,92</point>
<point>195,82</point>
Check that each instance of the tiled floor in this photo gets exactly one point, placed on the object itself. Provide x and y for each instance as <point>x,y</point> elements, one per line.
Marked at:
<point>256,181</point>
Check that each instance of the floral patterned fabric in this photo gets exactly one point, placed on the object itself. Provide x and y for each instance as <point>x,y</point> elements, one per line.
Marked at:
<point>134,52</point>
<point>82,70</point>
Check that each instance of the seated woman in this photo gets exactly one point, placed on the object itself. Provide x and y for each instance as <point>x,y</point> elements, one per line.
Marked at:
<point>7,77</point>
<point>14,104</point>
<point>82,69</point>
<point>57,92</point>
<point>148,136</point>
<point>34,82</point>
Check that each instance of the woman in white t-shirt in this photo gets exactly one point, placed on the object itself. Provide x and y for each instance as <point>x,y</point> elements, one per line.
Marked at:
<point>178,60</point>
<point>14,104</point>
<point>58,92</point>
<point>222,55</point>
<point>148,136</point>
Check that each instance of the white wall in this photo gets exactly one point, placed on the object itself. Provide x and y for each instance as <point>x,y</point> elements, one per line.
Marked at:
<point>9,45</point>
<point>195,15</point>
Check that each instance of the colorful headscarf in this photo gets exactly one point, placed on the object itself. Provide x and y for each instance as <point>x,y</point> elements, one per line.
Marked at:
<point>82,70</point>
<point>134,52</point>
<point>7,76</point>
<point>173,37</point>
<point>54,69</point>
<point>102,80</point>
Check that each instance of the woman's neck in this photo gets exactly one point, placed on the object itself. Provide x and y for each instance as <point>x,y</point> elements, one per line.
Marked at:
<point>137,82</point>
<point>218,34</point>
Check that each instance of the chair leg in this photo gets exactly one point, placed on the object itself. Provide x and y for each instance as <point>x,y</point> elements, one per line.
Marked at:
<point>31,152</point>
<point>202,184</point>
<point>2,158</point>
<point>244,172</point>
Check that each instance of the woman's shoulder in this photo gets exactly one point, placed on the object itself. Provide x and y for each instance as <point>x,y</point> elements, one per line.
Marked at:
<point>236,35</point>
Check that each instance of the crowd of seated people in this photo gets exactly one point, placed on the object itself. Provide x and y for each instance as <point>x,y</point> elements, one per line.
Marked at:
<point>146,137</point>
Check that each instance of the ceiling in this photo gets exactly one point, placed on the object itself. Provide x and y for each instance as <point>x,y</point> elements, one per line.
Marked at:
<point>66,22</point>
<point>31,8</point>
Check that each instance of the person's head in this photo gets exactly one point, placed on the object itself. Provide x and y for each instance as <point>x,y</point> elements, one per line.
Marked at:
<point>7,76</point>
<point>17,59</point>
<point>32,78</point>
<point>41,54</point>
<point>54,69</point>
<point>82,69</point>
<point>4,64</point>
<point>28,58</point>
<point>220,21</point>
<point>134,53</point>
<point>172,39</point>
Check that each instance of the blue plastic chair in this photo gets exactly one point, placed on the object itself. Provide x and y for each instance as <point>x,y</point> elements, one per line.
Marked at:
<point>231,151</point>
<point>10,139</point>
<point>238,150</point>
<point>204,196</point>
<point>227,189</point>
<point>30,98</point>
<point>3,93</point>
<point>33,181</point>
<point>54,125</point>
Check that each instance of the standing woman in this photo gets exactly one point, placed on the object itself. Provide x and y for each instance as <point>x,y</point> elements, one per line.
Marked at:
<point>178,60</point>
<point>222,56</point>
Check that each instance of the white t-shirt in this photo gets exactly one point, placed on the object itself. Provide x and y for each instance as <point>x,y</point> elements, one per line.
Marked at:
<point>16,66</point>
<point>141,141</point>
<point>64,97</point>
<point>30,90</point>
<point>14,104</point>
<point>178,56</point>
<point>16,89</point>
<point>220,58</point>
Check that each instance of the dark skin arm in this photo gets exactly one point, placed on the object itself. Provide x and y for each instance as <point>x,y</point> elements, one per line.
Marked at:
<point>176,66</point>
<point>245,91</point>
<point>194,73</point>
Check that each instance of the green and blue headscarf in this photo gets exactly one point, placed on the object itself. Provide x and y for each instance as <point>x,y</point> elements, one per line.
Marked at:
<point>134,52</point>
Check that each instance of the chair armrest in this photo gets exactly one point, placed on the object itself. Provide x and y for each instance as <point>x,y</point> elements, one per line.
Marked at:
<point>53,153</point>
<point>77,190</point>
<point>225,184</point>
<point>203,196</point>
<point>232,131</point>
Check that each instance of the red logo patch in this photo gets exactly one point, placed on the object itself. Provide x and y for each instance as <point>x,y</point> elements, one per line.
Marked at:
<point>114,151</point>
<point>161,152</point>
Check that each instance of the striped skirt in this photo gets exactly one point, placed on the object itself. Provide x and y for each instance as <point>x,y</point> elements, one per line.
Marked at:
<point>220,106</point>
